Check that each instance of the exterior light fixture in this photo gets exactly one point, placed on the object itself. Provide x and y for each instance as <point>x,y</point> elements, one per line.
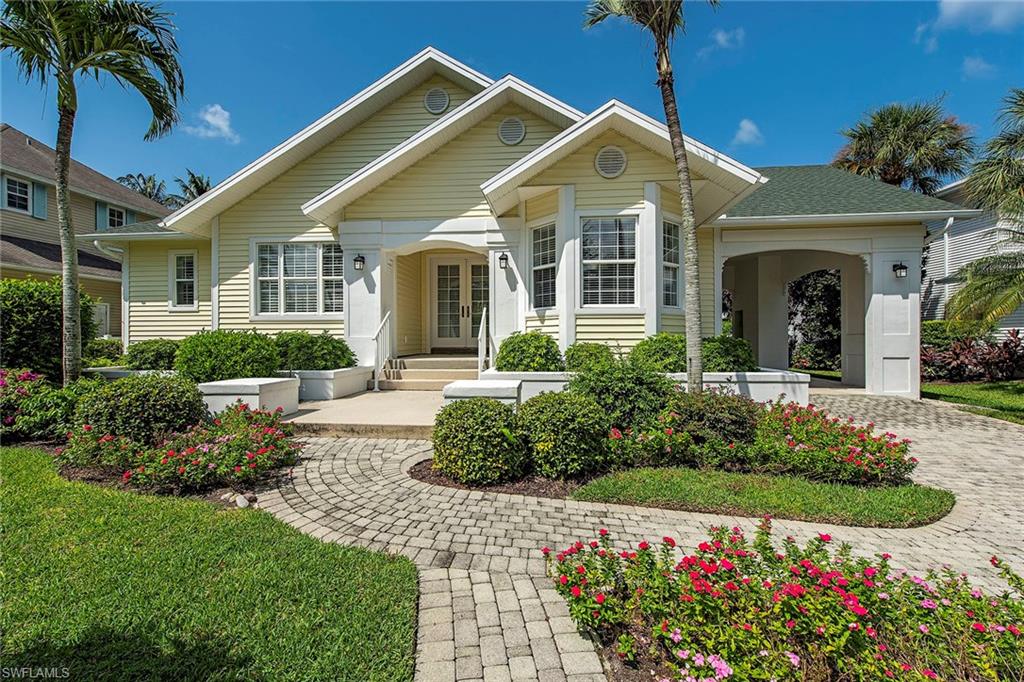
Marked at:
<point>900,270</point>
<point>503,261</point>
<point>359,262</point>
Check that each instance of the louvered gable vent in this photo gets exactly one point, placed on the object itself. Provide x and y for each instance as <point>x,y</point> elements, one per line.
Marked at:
<point>436,100</point>
<point>511,130</point>
<point>610,161</point>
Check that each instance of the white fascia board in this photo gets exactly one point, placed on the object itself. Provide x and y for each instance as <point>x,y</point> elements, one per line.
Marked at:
<point>330,202</point>
<point>845,218</point>
<point>268,159</point>
<point>946,189</point>
<point>135,236</point>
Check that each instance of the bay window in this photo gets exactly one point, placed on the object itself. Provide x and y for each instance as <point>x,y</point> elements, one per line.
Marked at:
<point>299,278</point>
<point>670,264</point>
<point>608,250</point>
<point>543,266</point>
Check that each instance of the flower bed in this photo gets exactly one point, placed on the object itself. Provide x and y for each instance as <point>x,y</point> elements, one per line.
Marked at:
<point>735,609</point>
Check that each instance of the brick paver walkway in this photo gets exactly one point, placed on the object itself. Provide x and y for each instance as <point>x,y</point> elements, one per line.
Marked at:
<point>486,609</point>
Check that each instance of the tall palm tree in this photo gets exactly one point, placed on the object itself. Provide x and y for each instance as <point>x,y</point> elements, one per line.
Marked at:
<point>907,145</point>
<point>994,285</point>
<point>146,185</point>
<point>193,185</point>
<point>663,19</point>
<point>61,40</point>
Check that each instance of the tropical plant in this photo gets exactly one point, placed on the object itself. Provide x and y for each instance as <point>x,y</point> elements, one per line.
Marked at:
<point>663,19</point>
<point>996,181</point>
<point>193,185</point>
<point>134,43</point>
<point>907,145</point>
<point>146,185</point>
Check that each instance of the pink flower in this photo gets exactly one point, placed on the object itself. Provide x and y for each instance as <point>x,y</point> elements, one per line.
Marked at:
<point>928,604</point>
<point>980,627</point>
<point>923,628</point>
<point>793,658</point>
<point>824,537</point>
<point>929,673</point>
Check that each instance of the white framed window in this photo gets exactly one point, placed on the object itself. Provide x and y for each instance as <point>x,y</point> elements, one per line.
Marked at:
<point>183,281</point>
<point>608,256</point>
<point>115,216</point>
<point>17,194</point>
<point>543,266</point>
<point>298,278</point>
<point>670,260</point>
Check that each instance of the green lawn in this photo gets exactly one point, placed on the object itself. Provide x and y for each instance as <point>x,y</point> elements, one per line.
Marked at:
<point>114,585</point>
<point>784,497</point>
<point>999,399</point>
<point>830,374</point>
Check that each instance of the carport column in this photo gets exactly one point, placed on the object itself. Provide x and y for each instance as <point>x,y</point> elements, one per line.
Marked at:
<point>851,278</point>
<point>364,301</point>
<point>772,314</point>
<point>892,327</point>
<point>567,278</point>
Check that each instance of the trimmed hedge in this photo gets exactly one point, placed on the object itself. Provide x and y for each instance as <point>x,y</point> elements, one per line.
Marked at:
<point>144,408</point>
<point>301,350</point>
<point>476,442</point>
<point>151,354</point>
<point>665,351</point>
<point>566,434</point>
<point>225,354</point>
<point>584,354</point>
<point>631,392</point>
<point>104,351</point>
<point>941,334</point>
<point>529,352</point>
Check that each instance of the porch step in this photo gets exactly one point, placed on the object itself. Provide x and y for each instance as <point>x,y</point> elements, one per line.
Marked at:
<point>411,384</point>
<point>438,374</point>
<point>435,362</point>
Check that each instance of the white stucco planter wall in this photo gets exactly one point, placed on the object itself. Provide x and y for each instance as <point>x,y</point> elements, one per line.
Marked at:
<point>533,383</point>
<point>330,384</point>
<point>506,391</point>
<point>763,385</point>
<point>259,393</point>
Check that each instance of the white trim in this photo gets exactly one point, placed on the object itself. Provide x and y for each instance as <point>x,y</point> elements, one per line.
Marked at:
<point>255,316</point>
<point>845,218</point>
<point>172,280</point>
<point>567,286</point>
<point>133,236</point>
<point>648,249</point>
<point>125,296</point>
<point>680,307</point>
<point>531,227</point>
<point>215,274</point>
<point>28,183</point>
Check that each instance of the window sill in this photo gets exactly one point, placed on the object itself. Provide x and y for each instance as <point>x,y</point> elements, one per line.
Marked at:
<point>297,317</point>
<point>610,310</point>
<point>183,308</point>
<point>27,212</point>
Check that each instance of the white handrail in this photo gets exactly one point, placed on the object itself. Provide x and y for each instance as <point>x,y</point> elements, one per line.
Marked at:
<point>382,341</point>
<point>482,344</point>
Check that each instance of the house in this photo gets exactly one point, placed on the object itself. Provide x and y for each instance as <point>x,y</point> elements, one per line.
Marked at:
<point>950,249</point>
<point>438,202</point>
<point>29,234</point>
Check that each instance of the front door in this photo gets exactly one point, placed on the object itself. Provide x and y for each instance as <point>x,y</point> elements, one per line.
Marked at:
<point>459,288</point>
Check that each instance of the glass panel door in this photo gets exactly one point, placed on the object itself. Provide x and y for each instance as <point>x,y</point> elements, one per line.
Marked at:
<point>449,301</point>
<point>479,288</point>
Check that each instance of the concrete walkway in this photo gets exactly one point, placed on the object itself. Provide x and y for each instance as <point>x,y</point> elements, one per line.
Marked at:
<point>385,414</point>
<point>487,610</point>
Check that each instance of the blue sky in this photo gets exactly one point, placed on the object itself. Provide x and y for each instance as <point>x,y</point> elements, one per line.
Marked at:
<point>767,82</point>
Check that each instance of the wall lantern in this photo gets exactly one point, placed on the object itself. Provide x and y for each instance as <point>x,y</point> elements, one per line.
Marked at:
<point>359,262</point>
<point>900,270</point>
<point>503,261</point>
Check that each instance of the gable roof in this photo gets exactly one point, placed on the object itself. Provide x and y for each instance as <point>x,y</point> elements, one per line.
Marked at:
<point>22,153</point>
<point>508,89</point>
<point>35,256</point>
<point>347,115</point>
<point>728,174</point>
<point>805,193</point>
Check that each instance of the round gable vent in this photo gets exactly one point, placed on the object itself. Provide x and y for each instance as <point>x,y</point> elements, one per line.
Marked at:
<point>512,130</point>
<point>610,161</point>
<point>436,100</point>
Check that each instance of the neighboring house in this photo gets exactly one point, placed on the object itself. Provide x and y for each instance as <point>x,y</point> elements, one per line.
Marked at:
<point>437,198</point>
<point>951,249</point>
<point>29,235</point>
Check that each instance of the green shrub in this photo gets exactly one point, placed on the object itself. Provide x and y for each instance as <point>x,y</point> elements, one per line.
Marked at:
<point>222,354</point>
<point>476,442</point>
<point>718,424</point>
<point>941,334</point>
<point>631,392</point>
<point>566,434</point>
<point>304,351</point>
<point>727,354</point>
<point>16,386</point>
<point>584,354</point>
<point>665,351</point>
<point>32,324</point>
<point>529,352</point>
<point>151,354</point>
<point>810,356</point>
<point>48,413</point>
<point>143,408</point>
<point>102,352</point>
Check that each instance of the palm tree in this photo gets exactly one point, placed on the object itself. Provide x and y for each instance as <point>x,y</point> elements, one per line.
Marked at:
<point>663,19</point>
<point>193,185</point>
<point>147,186</point>
<point>994,285</point>
<point>907,145</point>
<point>60,40</point>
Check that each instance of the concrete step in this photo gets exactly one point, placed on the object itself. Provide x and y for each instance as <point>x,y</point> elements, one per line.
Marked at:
<point>331,430</point>
<point>436,362</point>
<point>445,373</point>
<point>411,384</point>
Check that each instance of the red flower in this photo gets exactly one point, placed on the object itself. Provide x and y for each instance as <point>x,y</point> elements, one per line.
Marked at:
<point>576,591</point>
<point>238,469</point>
<point>581,569</point>
<point>930,674</point>
<point>86,427</point>
<point>545,550</point>
<point>603,532</point>
<point>824,537</point>
<point>181,470</point>
<point>644,544</point>
<point>790,624</point>
<point>564,579</point>
<point>599,598</point>
<point>669,541</point>
<point>980,627</point>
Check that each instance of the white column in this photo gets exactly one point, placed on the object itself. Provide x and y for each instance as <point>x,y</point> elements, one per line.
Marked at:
<point>892,329</point>
<point>363,302</point>
<point>567,279</point>
<point>772,314</point>
<point>215,273</point>
<point>649,257</point>
<point>851,278</point>
<point>503,307</point>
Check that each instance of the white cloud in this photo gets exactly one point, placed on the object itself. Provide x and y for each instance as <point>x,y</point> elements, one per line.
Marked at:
<point>215,122</point>
<point>724,40</point>
<point>748,133</point>
<point>977,67</point>
<point>977,16</point>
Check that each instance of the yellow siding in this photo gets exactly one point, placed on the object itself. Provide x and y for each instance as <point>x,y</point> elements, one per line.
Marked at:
<point>148,288</point>
<point>274,210</point>
<point>706,258</point>
<point>104,291</point>
<point>446,184</point>
<point>543,206</point>
<point>547,324</point>
<point>618,331</point>
<point>670,201</point>
<point>409,315</point>
<point>674,323</point>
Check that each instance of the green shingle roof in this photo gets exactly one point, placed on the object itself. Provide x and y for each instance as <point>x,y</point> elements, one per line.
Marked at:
<point>136,228</point>
<point>824,190</point>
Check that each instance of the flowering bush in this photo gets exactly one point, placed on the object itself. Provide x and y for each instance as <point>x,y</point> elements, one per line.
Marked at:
<point>143,407</point>
<point>16,385</point>
<point>33,408</point>
<point>739,610</point>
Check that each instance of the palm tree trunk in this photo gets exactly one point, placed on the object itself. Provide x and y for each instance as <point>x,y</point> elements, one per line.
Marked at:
<point>72,335</point>
<point>666,81</point>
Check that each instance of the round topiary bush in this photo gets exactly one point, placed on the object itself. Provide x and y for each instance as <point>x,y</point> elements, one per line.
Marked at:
<point>304,351</point>
<point>223,354</point>
<point>728,354</point>
<point>476,442</point>
<point>144,408</point>
<point>664,351</point>
<point>151,354</point>
<point>584,354</point>
<point>529,352</point>
<point>566,433</point>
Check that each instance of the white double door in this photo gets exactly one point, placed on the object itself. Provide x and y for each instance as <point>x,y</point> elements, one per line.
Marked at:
<point>459,287</point>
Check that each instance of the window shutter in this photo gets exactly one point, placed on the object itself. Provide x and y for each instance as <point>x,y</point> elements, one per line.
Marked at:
<point>38,201</point>
<point>129,216</point>
<point>102,221</point>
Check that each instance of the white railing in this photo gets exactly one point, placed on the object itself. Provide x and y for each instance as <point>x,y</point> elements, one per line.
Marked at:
<point>382,341</point>
<point>483,343</point>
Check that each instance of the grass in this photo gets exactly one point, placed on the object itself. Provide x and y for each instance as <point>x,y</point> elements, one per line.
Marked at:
<point>830,374</point>
<point>114,585</point>
<point>999,399</point>
<point>784,497</point>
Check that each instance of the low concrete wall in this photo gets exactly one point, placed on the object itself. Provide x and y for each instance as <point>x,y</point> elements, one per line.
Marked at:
<point>503,390</point>
<point>259,393</point>
<point>330,384</point>
<point>534,383</point>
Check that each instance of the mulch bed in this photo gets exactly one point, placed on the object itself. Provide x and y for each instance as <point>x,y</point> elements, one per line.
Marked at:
<point>536,486</point>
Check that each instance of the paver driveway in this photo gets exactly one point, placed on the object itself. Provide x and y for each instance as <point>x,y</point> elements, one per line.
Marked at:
<point>486,609</point>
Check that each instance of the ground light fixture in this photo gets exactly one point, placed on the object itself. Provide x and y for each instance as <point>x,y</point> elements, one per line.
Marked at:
<point>503,261</point>
<point>359,262</point>
<point>900,270</point>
